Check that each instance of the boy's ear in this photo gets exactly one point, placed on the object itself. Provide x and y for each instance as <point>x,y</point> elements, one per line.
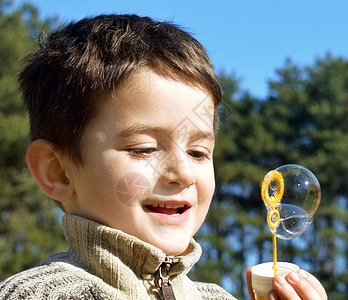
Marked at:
<point>47,165</point>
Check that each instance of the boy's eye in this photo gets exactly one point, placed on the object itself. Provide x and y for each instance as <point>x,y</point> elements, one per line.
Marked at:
<point>142,151</point>
<point>199,155</point>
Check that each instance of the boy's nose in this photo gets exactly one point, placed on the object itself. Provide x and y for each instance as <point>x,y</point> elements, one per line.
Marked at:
<point>177,169</point>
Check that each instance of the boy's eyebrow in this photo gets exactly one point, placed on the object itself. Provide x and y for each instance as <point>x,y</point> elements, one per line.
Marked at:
<point>141,129</point>
<point>198,134</point>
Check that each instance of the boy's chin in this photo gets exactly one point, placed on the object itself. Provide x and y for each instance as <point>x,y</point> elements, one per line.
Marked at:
<point>174,248</point>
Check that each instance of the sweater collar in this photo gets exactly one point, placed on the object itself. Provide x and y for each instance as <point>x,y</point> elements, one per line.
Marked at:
<point>103,251</point>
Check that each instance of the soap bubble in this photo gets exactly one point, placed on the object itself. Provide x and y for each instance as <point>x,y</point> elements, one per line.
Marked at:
<point>299,201</point>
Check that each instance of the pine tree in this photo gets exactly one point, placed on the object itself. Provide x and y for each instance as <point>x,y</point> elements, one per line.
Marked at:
<point>312,103</point>
<point>302,121</point>
<point>29,225</point>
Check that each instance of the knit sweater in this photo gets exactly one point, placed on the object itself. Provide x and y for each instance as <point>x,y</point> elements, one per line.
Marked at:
<point>105,263</point>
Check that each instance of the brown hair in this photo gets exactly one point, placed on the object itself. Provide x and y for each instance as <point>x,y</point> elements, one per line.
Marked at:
<point>63,81</point>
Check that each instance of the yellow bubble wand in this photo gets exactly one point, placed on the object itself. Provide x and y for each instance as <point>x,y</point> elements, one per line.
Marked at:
<point>272,202</point>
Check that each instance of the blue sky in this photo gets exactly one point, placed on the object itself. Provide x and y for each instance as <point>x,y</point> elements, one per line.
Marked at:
<point>251,38</point>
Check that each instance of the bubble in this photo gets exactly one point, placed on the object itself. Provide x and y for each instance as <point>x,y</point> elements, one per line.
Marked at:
<point>300,200</point>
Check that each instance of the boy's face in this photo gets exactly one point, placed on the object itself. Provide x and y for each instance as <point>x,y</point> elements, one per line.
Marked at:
<point>148,162</point>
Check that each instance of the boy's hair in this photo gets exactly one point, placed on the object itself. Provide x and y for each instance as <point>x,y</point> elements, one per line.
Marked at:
<point>63,82</point>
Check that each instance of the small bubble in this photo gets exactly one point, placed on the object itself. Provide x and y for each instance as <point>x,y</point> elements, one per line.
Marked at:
<point>274,218</point>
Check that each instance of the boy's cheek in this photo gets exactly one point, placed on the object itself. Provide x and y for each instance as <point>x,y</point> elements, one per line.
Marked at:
<point>132,188</point>
<point>207,188</point>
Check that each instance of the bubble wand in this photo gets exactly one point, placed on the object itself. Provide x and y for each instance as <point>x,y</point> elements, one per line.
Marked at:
<point>291,194</point>
<point>272,202</point>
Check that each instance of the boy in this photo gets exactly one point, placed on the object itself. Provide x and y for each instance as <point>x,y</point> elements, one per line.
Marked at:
<point>123,120</point>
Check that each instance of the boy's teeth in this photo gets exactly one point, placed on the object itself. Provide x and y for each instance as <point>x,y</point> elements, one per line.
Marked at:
<point>168,205</point>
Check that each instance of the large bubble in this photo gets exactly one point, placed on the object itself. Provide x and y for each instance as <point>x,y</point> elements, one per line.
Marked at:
<point>292,195</point>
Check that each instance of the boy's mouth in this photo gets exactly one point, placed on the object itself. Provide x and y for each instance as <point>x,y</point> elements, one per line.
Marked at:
<point>168,208</point>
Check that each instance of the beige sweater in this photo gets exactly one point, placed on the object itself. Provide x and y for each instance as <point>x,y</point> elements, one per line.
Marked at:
<point>105,263</point>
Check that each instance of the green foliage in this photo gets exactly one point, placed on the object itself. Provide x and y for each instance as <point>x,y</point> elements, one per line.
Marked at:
<point>29,226</point>
<point>303,121</point>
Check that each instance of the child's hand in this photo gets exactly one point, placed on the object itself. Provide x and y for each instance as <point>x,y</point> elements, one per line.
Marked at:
<point>295,286</point>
